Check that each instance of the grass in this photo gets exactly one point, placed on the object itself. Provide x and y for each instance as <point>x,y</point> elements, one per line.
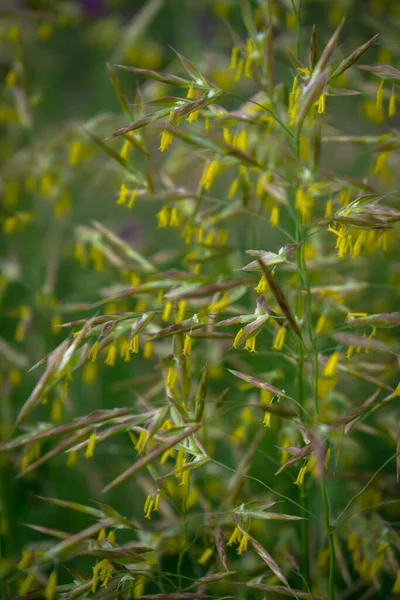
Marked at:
<point>199,357</point>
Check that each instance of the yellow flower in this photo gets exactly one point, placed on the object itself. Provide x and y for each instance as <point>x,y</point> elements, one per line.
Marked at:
<point>237,339</point>
<point>134,344</point>
<point>329,369</point>
<point>321,324</point>
<point>243,544</point>
<point>234,59</point>
<point>148,349</point>
<point>240,141</point>
<point>262,285</point>
<point>89,452</point>
<point>163,217</point>
<point>279,339</point>
<point>392,105</point>
<point>233,188</point>
<point>379,96</point>
<point>132,199</point>
<point>293,101</point>
<point>124,150</point>
<point>102,571</point>
<point>75,151</point>
<point>111,356</point>
<point>250,344</point>
<point>300,476</point>
<point>93,351</point>
<point>181,310</point>
<point>274,217</point>
<point>328,208</point>
<point>72,458</point>
<point>209,174</point>
<point>123,193</point>
<point>267,419</point>
<point>167,310</point>
<point>321,104</point>
<point>172,376</point>
<point>166,140</point>
<point>396,391</point>
<point>187,345</point>
<point>239,69</point>
<point>148,507</point>
<point>193,116</point>
<point>208,552</point>
<point>235,537</point>
<point>303,203</point>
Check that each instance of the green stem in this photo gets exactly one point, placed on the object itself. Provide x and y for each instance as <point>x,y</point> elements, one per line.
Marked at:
<point>331,542</point>
<point>302,266</point>
<point>305,549</point>
<point>298,48</point>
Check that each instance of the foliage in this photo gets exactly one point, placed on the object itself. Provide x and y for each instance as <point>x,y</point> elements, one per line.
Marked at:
<point>211,377</point>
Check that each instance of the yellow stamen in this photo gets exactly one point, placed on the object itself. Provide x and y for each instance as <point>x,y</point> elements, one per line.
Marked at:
<point>167,310</point>
<point>234,59</point>
<point>148,507</point>
<point>172,376</point>
<point>132,199</point>
<point>321,104</point>
<point>235,537</point>
<point>379,96</point>
<point>267,419</point>
<point>111,356</point>
<point>237,339</point>
<point>279,339</point>
<point>392,105</point>
<point>187,345</point>
<point>123,193</point>
<point>243,544</point>
<point>208,552</point>
<point>396,391</point>
<point>148,349</point>
<point>134,344</point>
<point>274,218</point>
<point>250,344</point>
<point>124,150</point>
<point>300,476</point>
<point>262,286</point>
<point>89,452</point>
<point>329,369</point>
<point>233,188</point>
<point>166,141</point>
<point>163,217</point>
<point>328,208</point>
<point>210,172</point>
<point>181,311</point>
<point>321,324</point>
<point>93,351</point>
<point>75,151</point>
<point>239,69</point>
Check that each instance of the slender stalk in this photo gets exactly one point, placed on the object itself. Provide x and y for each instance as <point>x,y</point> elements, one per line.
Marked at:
<point>298,29</point>
<point>305,547</point>
<point>303,501</point>
<point>303,271</point>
